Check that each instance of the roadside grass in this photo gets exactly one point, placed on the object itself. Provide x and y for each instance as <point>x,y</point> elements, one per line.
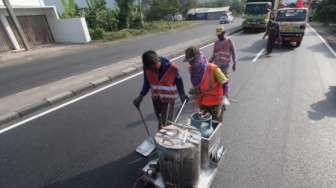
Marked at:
<point>149,27</point>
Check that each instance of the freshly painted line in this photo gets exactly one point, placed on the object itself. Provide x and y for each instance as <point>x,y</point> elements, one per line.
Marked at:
<point>258,55</point>
<point>84,96</point>
<point>323,40</point>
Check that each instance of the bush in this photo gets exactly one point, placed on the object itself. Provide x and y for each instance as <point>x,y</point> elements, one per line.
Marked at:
<point>109,36</point>
<point>96,34</point>
<point>326,11</point>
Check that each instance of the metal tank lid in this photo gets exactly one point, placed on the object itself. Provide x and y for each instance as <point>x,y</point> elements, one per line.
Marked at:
<point>178,137</point>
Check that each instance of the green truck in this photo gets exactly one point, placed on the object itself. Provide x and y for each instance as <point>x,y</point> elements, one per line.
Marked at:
<point>256,14</point>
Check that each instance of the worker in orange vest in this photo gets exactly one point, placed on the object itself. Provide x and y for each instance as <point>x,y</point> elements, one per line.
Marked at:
<point>207,80</point>
<point>163,79</point>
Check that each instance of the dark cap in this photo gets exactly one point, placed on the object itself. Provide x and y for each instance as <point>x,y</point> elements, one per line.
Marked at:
<point>191,53</point>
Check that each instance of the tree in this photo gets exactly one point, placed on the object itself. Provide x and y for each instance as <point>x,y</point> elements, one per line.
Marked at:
<point>236,6</point>
<point>326,11</point>
<point>70,9</point>
<point>124,7</point>
<point>96,13</point>
<point>159,9</point>
<point>187,5</point>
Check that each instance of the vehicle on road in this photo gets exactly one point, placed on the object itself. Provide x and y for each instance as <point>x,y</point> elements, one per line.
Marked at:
<point>256,15</point>
<point>226,18</point>
<point>292,23</point>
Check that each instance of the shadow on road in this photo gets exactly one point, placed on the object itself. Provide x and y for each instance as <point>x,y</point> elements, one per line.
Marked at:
<point>148,118</point>
<point>255,47</point>
<point>324,108</point>
<point>119,173</point>
<point>321,48</point>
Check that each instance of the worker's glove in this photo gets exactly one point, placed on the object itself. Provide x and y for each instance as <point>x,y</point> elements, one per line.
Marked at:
<point>194,91</point>
<point>137,101</point>
<point>185,98</point>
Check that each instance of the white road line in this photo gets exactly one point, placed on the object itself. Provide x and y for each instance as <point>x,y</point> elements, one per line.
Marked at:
<point>67,103</point>
<point>85,96</point>
<point>258,55</point>
<point>323,40</point>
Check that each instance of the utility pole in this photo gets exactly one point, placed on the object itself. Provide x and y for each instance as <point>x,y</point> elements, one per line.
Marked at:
<point>16,23</point>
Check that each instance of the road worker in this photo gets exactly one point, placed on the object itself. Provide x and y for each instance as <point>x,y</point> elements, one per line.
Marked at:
<point>207,80</point>
<point>223,52</point>
<point>273,33</point>
<point>163,79</point>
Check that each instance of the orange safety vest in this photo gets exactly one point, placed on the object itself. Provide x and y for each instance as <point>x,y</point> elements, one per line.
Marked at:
<point>165,89</point>
<point>211,90</point>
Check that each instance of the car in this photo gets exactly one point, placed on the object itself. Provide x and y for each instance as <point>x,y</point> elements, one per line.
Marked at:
<point>178,17</point>
<point>226,18</point>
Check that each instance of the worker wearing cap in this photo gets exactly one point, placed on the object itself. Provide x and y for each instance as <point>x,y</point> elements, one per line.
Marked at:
<point>163,79</point>
<point>207,80</point>
<point>223,52</point>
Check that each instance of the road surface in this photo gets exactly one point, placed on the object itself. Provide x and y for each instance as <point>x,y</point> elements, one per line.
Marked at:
<point>280,134</point>
<point>39,71</point>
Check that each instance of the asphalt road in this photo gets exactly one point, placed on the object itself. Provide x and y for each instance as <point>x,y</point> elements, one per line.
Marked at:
<point>280,134</point>
<point>40,70</point>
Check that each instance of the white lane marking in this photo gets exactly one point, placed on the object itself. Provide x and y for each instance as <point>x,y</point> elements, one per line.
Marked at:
<point>323,40</point>
<point>258,55</point>
<point>85,96</point>
<point>68,103</point>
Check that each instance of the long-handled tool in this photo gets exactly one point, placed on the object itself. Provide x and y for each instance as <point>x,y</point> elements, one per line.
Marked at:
<point>180,111</point>
<point>148,145</point>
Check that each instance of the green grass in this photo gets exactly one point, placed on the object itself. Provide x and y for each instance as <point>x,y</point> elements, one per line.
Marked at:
<point>149,27</point>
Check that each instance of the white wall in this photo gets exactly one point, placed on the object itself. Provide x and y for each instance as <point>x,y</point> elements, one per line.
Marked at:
<point>72,30</point>
<point>30,3</point>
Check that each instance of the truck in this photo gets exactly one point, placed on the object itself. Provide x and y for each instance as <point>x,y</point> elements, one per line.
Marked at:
<point>256,14</point>
<point>292,22</point>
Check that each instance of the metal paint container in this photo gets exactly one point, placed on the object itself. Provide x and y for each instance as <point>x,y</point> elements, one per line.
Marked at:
<point>179,151</point>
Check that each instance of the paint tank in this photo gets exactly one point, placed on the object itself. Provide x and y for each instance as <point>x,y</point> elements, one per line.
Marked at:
<point>179,151</point>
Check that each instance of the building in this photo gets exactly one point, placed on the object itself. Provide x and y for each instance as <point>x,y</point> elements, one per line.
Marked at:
<point>207,13</point>
<point>40,24</point>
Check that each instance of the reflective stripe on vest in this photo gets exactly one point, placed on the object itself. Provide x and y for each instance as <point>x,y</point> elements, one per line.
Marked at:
<point>211,90</point>
<point>165,88</point>
<point>222,52</point>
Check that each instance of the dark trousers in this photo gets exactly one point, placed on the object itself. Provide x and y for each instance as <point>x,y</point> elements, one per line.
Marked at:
<point>270,44</point>
<point>163,111</point>
<point>213,110</point>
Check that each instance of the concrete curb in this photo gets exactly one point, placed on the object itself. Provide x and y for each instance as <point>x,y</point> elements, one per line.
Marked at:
<point>34,107</point>
<point>31,108</point>
<point>101,81</point>
<point>9,117</point>
<point>82,88</point>
<point>60,97</point>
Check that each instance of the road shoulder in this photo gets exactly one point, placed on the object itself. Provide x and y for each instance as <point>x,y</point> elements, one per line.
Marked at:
<point>30,101</point>
<point>327,32</point>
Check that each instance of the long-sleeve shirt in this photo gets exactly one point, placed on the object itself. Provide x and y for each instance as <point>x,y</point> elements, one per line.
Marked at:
<point>220,76</point>
<point>165,64</point>
<point>197,71</point>
<point>225,48</point>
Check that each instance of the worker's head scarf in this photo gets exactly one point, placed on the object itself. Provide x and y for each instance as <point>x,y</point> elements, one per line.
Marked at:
<point>197,70</point>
